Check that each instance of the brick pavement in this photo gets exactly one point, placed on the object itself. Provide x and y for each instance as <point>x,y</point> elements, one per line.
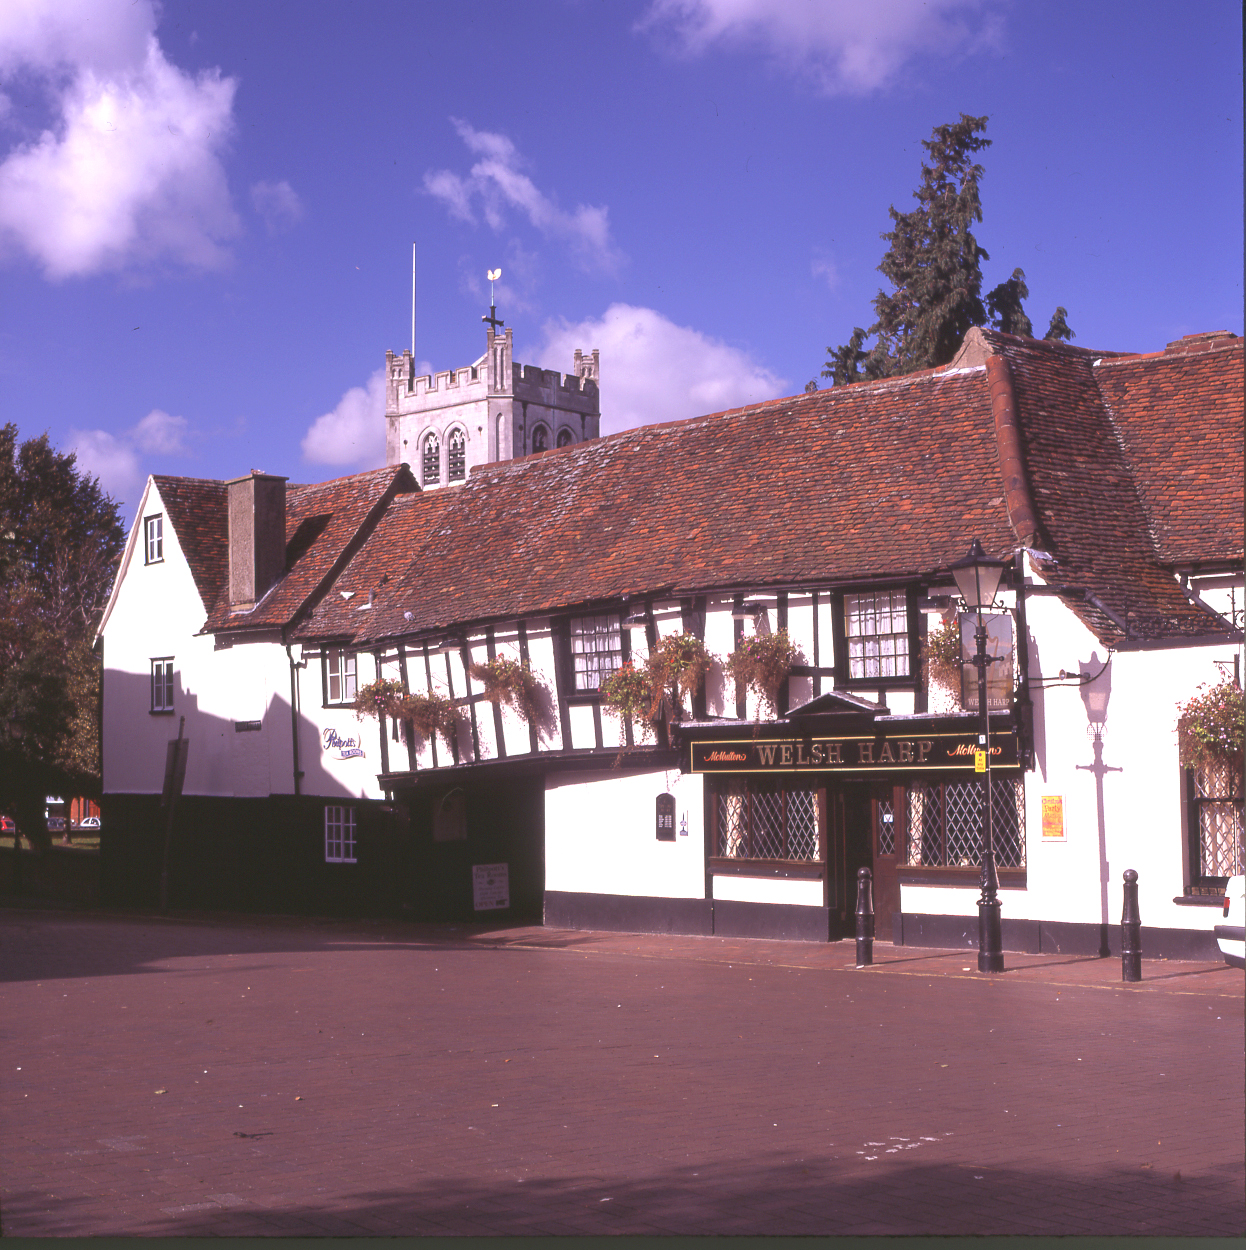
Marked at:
<point>373,1078</point>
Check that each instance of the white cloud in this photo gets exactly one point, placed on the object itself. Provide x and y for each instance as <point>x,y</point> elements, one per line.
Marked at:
<point>653,370</point>
<point>160,434</point>
<point>823,266</point>
<point>278,203</point>
<point>129,173</point>
<point>496,180</point>
<point>354,432</point>
<point>117,459</point>
<point>113,460</point>
<point>845,47</point>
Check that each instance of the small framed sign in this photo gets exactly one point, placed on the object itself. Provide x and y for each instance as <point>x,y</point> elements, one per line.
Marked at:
<point>1053,818</point>
<point>666,818</point>
<point>491,889</point>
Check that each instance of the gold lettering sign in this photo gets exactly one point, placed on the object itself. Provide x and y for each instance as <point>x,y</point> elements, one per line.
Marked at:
<point>944,751</point>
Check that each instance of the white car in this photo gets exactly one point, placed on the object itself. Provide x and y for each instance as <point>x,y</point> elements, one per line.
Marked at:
<point>90,822</point>
<point>1232,934</point>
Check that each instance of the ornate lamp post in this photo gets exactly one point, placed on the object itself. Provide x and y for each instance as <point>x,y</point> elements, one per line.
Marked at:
<point>977,579</point>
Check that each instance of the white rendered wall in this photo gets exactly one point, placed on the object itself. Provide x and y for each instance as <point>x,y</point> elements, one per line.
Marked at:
<point>600,835</point>
<point>768,890</point>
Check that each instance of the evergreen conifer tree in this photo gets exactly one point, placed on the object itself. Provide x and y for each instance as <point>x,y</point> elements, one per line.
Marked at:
<point>934,265</point>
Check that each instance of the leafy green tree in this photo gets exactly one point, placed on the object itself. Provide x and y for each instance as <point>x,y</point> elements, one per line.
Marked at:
<point>933,262</point>
<point>60,538</point>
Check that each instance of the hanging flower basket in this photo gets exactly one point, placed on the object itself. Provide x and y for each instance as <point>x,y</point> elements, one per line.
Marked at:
<point>941,655</point>
<point>380,696</point>
<point>430,714</point>
<point>762,662</point>
<point>629,691</point>
<point>1211,727</point>
<point>508,681</point>
<point>676,667</point>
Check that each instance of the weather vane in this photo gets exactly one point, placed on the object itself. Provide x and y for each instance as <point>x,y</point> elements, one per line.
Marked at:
<point>493,275</point>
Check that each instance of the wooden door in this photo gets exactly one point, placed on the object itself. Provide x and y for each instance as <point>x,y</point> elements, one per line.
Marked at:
<point>887,818</point>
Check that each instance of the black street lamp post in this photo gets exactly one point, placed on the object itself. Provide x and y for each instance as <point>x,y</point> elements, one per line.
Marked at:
<point>977,579</point>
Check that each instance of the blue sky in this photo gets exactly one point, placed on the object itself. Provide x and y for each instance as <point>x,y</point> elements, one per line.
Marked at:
<point>207,207</point>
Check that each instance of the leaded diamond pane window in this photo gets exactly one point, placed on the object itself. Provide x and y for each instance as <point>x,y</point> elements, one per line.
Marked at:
<point>945,823</point>
<point>762,820</point>
<point>877,628</point>
<point>596,649</point>
<point>1216,812</point>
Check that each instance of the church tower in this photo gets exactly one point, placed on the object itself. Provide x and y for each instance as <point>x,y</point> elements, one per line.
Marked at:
<point>493,409</point>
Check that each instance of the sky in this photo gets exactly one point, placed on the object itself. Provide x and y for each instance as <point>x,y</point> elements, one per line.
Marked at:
<point>208,207</point>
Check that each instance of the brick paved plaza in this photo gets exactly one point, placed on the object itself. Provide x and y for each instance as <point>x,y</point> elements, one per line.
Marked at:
<point>243,1076</point>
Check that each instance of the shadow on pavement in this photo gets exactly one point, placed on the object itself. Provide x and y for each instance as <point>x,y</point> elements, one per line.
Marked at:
<point>801,1197</point>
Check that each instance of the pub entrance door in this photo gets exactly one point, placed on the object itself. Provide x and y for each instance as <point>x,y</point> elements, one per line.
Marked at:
<point>887,845</point>
<point>848,809</point>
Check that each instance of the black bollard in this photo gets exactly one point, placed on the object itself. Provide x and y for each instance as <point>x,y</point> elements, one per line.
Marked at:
<point>1131,931</point>
<point>865,918</point>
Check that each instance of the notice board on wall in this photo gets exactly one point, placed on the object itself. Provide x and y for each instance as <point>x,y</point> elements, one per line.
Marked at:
<point>491,890</point>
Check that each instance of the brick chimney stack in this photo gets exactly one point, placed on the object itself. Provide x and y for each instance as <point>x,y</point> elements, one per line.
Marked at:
<point>257,537</point>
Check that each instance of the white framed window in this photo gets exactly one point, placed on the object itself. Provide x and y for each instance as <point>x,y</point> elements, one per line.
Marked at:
<point>153,539</point>
<point>877,629</point>
<point>162,684</point>
<point>339,835</point>
<point>341,680</point>
<point>596,649</point>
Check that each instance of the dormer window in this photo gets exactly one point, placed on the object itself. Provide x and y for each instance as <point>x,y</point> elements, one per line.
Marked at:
<point>458,456</point>
<point>432,460</point>
<point>153,539</point>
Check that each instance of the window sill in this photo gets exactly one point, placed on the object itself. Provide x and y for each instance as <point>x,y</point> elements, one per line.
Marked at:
<point>729,866</point>
<point>914,874</point>
<point>582,696</point>
<point>161,711</point>
<point>1200,900</point>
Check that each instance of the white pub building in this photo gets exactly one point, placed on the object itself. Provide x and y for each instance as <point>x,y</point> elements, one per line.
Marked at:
<point>257,611</point>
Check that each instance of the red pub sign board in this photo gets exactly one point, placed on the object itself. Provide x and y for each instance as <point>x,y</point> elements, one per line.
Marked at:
<point>921,752</point>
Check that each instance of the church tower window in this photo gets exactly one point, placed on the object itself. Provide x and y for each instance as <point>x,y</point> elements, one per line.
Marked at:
<point>432,460</point>
<point>540,439</point>
<point>565,438</point>
<point>458,456</point>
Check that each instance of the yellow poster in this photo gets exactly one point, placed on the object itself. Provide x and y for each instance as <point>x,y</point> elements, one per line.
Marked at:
<point>1053,818</point>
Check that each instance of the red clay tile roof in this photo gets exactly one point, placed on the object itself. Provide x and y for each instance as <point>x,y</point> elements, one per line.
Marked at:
<point>1179,418</point>
<point>878,480</point>
<point>323,521</point>
<point>196,510</point>
<point>1093,502</point>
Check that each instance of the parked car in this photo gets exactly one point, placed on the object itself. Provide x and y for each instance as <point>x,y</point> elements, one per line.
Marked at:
<point>1231,935</point>
<point>90,822</point>
<point>56,824</point>
<point>7,825</point>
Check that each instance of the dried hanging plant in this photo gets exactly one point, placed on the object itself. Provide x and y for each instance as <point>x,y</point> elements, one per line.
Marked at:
<point>430,714</point>
<point>762,662</point>
<point>508,681</point>
<point>941,655</point>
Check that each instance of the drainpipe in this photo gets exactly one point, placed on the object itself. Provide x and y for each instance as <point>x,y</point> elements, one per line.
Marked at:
<point>294,717</point>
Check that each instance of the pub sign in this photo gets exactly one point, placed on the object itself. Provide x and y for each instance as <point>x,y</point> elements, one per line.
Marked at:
<point>916,752</point>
